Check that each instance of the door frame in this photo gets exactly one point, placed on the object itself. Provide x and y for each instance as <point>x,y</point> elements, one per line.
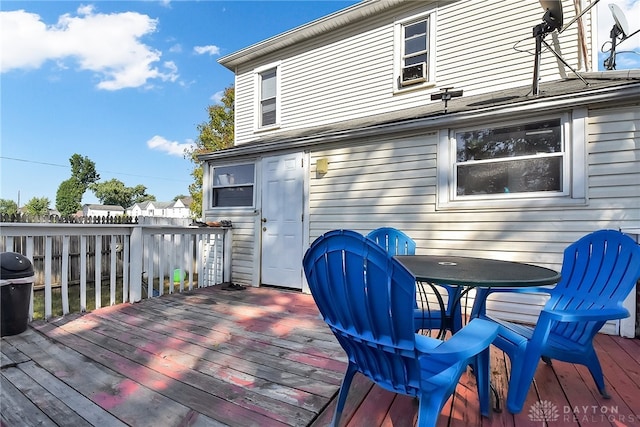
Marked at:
<point>258,258</point>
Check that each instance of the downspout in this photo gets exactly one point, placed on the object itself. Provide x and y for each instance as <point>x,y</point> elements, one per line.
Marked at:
<point>581,39</point>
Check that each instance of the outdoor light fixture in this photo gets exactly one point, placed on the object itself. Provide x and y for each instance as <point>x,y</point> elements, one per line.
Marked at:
<point>446,95</point>
<point>322,165</point>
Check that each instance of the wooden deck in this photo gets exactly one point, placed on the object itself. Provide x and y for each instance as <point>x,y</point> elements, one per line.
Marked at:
<point>258,357</point>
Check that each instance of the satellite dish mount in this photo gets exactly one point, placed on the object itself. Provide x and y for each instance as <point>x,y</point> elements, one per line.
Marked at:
<point>551,20</point>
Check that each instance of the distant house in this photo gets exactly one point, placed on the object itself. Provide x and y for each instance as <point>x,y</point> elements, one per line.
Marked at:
<point>175,209</point>
<point>102,210</point>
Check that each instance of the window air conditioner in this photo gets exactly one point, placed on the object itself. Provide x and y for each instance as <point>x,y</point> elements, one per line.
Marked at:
<point>412,74</point>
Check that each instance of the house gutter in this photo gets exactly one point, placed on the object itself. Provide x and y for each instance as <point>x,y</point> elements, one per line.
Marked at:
<point>425,124</point>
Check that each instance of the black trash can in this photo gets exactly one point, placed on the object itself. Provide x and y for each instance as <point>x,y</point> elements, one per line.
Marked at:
<point>16,280</point>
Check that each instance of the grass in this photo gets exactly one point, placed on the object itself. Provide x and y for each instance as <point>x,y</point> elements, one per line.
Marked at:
<point>105,296</point>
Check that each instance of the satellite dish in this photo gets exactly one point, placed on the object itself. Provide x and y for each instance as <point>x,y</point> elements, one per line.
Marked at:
<point>621,21</point>
<point>553,14</point>
<point>551,20</point>
<point>619,29</point>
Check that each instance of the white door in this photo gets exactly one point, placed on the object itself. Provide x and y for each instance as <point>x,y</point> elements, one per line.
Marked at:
<point>282,210</point>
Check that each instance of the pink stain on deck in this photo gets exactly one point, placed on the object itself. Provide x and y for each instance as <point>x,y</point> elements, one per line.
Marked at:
<point>234,379</point>
<point>123,390</point>
<point>149,347</point>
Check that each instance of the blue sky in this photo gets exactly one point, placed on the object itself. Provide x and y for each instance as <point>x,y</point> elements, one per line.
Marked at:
<point>123,83</point>
<point>127,83</point>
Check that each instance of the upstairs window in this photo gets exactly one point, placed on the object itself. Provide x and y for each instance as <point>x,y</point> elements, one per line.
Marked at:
<point>268,94</point>
<point>233,185</point>
<point>415,52</point>
<point>414,47</point>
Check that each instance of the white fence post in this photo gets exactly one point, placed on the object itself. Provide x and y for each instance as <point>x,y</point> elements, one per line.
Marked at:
<point>227,239</point>
<point>135,264</point>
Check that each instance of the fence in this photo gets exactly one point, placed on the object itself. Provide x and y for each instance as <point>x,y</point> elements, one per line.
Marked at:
<point>120,254</point>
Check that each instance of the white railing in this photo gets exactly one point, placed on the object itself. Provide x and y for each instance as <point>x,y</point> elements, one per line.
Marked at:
<point>135,254</point>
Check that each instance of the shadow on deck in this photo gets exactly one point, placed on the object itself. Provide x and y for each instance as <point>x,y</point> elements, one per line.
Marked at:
<point>258,357</point>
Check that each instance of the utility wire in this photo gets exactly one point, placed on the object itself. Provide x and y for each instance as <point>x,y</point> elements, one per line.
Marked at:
<point>100,171</point>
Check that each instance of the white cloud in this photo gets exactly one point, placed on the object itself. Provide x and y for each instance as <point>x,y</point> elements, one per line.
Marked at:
<point>173,148</point>
<point>106,44</point>
<point>210,50</point>
<point>176,48</point>
<point>217,97</point>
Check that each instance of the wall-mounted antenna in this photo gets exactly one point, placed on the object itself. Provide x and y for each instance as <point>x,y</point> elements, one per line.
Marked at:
<point>446,95</point>
<point>620,28</point>
<point>551,20</point>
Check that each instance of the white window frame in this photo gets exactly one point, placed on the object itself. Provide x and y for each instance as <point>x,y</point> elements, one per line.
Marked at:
<point>574,170</point>
<point>430,17</point>
<point>212,187</point>
<point>257,84</point>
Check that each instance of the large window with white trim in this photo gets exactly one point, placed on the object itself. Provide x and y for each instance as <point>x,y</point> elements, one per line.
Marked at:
<point>512,164</point>
<point>521,158</point>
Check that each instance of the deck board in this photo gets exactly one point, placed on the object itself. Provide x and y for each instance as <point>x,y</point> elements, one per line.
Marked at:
<point>258,357</point>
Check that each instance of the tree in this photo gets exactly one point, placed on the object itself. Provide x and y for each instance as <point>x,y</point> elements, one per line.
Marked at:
<point>70,191</point>
<point>84,170</point>
<point>69,197</point>
<point>216,134</point>
<point>37,206</point>
<point>8,207</point>
<point>114,192</point>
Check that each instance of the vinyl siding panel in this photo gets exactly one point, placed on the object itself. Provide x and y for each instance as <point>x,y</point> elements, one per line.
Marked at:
<point>349,73</point>
<point>244,245</point>
<point>477,45</point>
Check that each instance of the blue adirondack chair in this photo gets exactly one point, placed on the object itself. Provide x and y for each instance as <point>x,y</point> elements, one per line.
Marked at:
<point>366,297</point>
<point>598,272</point>
<point>396,242</point>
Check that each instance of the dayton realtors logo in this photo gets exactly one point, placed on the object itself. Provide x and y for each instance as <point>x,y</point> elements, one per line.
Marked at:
<point>548,413</point>
<point>543,411</point>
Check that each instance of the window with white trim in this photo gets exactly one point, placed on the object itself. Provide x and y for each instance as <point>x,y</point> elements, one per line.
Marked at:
<point>268,96</point>
<point>533,163</point>
<point>414,48</point>
<point>519,158</point>
<point>233,185</point>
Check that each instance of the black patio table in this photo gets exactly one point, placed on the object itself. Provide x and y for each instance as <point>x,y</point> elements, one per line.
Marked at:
<point>469,273</point>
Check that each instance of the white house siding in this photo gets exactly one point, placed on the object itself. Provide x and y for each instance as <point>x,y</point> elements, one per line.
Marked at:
<point>476,42</point>
<point>345,75</point>
<point>614,164</point>
<point>393,183</point>
<point>388,182</point>
<point>244,246</point>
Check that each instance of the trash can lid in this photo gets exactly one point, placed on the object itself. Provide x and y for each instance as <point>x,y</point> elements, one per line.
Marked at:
<point>14,266</point>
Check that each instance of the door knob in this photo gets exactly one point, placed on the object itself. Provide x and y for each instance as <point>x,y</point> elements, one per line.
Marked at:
<point>264,219</point>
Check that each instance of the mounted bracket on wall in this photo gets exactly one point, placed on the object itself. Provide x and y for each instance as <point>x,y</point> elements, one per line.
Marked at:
<point>446,96</point>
